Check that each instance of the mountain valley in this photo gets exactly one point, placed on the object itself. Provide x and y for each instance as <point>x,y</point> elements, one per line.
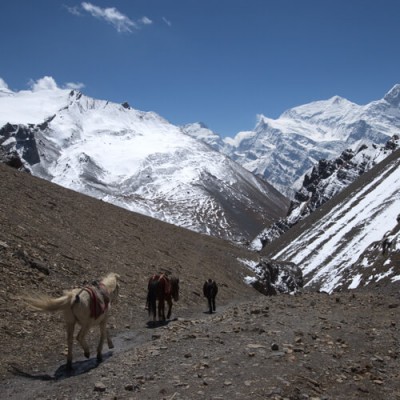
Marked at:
<point>307,345</point>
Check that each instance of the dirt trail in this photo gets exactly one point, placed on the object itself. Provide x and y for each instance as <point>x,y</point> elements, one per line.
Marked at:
<point>309,346</point>
<point>28,383</point>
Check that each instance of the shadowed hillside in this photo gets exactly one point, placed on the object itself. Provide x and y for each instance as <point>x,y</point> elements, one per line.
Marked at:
<point>52,239</point>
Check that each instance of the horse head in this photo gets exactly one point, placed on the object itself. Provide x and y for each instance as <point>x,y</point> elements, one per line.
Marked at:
<point>175,288</point>
<point>111,283</point>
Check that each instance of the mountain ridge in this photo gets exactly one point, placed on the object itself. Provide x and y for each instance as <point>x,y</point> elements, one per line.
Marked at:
<point>282,150</point>
<point>323,182</point>
<point>139,161</point>
<point>327,244</point>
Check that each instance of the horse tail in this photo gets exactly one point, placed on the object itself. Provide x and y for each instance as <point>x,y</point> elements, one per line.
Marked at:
<point>51,304</point>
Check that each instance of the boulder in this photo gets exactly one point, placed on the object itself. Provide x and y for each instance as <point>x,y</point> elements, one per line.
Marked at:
<point>275,277</point>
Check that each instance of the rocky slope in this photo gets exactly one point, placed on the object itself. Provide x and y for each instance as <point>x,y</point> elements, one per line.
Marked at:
<point>327,244</point>
<point>309,346</point>
<point>53,238</point>
<point>325,180</point>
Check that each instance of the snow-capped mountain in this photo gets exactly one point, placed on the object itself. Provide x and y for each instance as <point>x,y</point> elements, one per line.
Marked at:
<point>354,238</point>
<point>136,160</point>
<point>201,132</point>
<point>282,150</point>
<point>325,180</point>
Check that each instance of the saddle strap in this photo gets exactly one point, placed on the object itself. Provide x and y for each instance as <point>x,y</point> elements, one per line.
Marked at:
<point>99,300</point>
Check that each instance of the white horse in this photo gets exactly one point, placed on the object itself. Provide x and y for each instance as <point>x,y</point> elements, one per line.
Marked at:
<point>88,306</point>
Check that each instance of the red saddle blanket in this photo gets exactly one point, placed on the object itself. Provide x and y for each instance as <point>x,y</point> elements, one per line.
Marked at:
<point>163,281</point>
<point>99,300</point>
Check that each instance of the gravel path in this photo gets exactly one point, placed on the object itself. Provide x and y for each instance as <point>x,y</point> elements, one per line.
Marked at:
<point>308,346</point>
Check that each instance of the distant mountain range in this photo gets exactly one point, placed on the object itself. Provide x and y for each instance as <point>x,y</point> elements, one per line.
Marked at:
<point>282,150</point>
<point>136,160</point>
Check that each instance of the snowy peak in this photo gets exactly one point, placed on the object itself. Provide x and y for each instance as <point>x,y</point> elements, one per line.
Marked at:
<point>32,107</point>
<point>393,96</point>
<point>200,131</point>
<point>136,160</point>
<point>282,150</point>
<point>5,92</point>
<point>325,112</point>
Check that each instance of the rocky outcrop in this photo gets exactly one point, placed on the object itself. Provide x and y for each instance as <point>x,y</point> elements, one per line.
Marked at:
<point>376,266</point>
<point>11,159</point>
<point>18,144</point>
<point>275,277</point>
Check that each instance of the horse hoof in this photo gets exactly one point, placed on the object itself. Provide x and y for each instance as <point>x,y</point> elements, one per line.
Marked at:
<point>111,345</point>
<point>87,354</point>
<point>69,366</point>
<point>99,358</point>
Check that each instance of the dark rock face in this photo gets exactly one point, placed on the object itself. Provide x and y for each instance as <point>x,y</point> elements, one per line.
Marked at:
<point>11,159</point>
<point>8,153</point>
<point>392,143</point>
<point>16,140</point>
<point>277,277</point>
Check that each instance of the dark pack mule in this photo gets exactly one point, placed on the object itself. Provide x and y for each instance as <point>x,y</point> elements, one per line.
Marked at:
<point>161,289</point>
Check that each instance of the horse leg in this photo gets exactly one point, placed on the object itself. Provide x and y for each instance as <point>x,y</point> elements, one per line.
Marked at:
<point>109,341</point>
<point>155,311</point>
<point>169,301</point>
<point>103,334</point>
<point>81,339</point>
<point>70,341</point>
<point>161,310</point>
<point>152,295</point>
<point>213,304</point>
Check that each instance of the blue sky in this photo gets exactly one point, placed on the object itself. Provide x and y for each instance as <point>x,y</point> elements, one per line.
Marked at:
<point>221,62</point>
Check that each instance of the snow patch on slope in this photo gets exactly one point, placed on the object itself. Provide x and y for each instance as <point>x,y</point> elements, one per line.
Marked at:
<point>336,241</point>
